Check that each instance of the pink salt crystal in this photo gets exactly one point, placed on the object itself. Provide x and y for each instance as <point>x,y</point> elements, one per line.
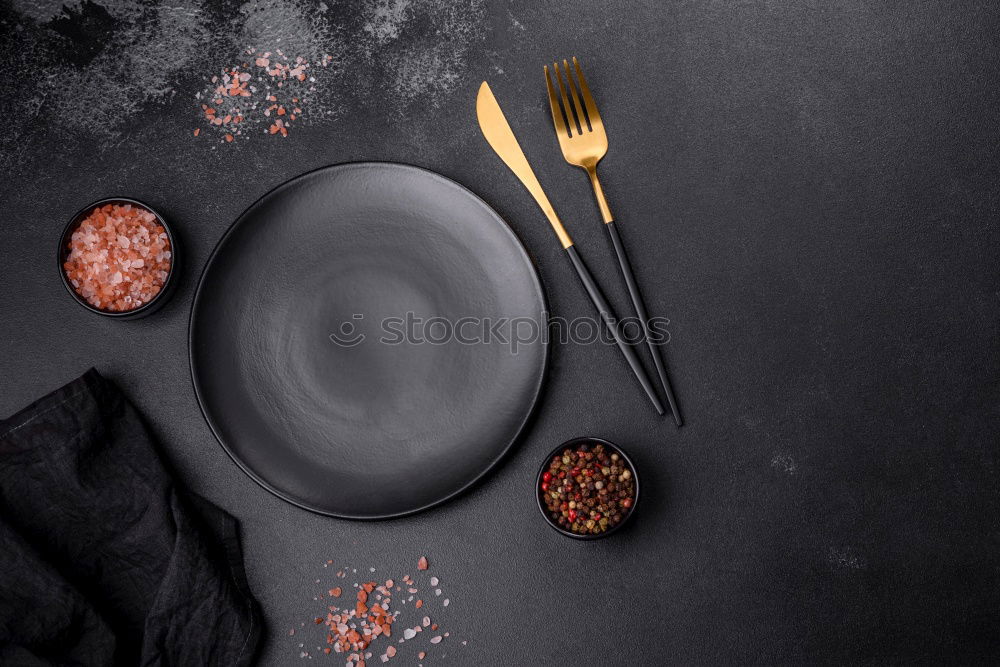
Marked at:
<point>117,236</point>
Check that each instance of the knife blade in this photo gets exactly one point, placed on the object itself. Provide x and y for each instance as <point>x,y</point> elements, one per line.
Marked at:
<point>501,138</point>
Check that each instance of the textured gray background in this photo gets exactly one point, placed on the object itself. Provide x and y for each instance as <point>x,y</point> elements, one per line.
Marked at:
<point>809,192</point>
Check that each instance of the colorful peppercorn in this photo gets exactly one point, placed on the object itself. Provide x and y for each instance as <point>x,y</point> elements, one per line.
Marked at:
<point>588,490</point>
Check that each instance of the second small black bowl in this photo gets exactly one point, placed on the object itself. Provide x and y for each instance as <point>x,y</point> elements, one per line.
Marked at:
<point>585,444</point>
<point>158,299</point>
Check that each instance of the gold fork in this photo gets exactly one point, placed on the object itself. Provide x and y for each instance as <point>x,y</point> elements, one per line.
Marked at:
<point>584,142</point>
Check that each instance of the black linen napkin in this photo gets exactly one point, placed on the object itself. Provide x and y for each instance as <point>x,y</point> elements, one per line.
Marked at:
<point>102,560</point>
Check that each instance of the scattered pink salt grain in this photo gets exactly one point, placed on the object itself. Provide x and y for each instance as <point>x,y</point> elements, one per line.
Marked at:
<point>369,624</point>
<point>119,257</point>
<point>238,96</point>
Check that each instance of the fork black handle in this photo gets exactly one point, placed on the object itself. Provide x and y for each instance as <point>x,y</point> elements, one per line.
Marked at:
<point>612,323</point>
<point>640,310</point>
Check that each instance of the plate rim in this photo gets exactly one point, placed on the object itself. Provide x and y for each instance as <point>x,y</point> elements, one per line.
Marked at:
<point>468,485</point>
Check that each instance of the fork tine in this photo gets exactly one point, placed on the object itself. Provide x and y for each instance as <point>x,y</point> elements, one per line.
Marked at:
<point>588,99</point>
<point>557,114</point>
<point>576,98</point>
<point>569,113</point>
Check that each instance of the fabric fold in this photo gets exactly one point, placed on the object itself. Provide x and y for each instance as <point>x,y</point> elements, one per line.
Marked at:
<point>104,560</point>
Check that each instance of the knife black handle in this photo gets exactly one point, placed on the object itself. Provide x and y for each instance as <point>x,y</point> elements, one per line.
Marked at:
<point>640,310</point>
<point>613,326</point>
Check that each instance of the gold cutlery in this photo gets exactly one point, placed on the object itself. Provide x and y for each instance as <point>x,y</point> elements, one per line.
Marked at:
<point>584,142</point>
<point>501,138</point>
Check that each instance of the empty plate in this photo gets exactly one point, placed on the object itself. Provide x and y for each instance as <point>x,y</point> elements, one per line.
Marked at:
<point>367,340</point>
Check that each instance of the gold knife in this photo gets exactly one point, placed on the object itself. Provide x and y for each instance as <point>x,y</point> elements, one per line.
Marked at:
<point>501,138</point>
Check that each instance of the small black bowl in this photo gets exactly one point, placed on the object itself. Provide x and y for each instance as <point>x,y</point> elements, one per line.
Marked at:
<point>145,309</point>
<point>584,443</point>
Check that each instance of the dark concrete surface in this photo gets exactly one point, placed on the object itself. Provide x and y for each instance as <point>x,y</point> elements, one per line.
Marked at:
<point>809,192</point>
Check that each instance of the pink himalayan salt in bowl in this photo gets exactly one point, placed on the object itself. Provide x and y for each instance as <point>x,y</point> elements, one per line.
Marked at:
<point>117,258</point>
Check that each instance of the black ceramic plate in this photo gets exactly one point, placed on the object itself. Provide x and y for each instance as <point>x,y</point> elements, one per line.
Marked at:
<point>411,414</point>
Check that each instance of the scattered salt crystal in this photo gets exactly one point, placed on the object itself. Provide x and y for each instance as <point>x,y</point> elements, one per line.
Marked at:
<point>436,640</point>
<point>437,591</point>
<point>445,603</point>
<point>434,581</point>
<point>409,633</point>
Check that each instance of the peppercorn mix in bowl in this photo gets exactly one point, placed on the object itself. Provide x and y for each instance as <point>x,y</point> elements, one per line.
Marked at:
<point>117,258</point>
<point>587,488</point>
